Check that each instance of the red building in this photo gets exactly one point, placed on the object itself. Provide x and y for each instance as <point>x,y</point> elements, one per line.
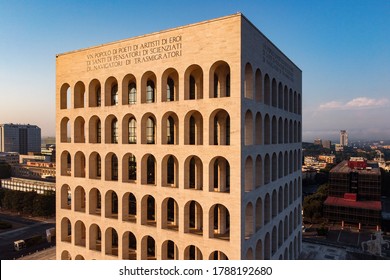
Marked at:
<point>354,193</point>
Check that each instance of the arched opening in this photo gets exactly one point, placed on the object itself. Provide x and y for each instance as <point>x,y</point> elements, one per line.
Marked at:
<point>248,82</point>
<point>267,209</point>
<point>259,86</point>
<point>280,131</point>
<point>148,211</point>
<point>193,128</point>
<point>169,250</point>
<point>148,170</point>
<point>79,131</point>
<point>280,165</point>
<point>267,247</point>
<point>219,128</point>
<point>280,200</point>
<point>193,175</point>
<point>248,128</point>
<point>95,238</point>
<point>218,255</point>
<point>219,172</point>
<point>170,214</point>
<point>79,165</point>
<point>274,131</point>
<point>66,164</point>
<point>249,229</point>
<point>66,197</point>
<point>267,90</point>
<point>80,234</point>
<point>111,130</point>
<point>274,167</point>
<point>170,171</point>
<point>95,166</point>
<point>258,129</point>
<point>259,213</point>
<point>129,90</point>
<point>285,101</point>
<point>111,205</point>
<point>274,94</point>
<point>267,169</point>
<point>148,248</point>
<point>95,94</point>
<point>193,214</point>
<point>129,246</point>
<point>148,127</point>
<point>249,254</point>
<point>192,253</point>
<point>259,250</point>
<point>79,90</point>
<point>95,130</point>
<point>111,167</point>
<point>259,172</point>
<point>274,240</point>
<point>274,204</point>
<point>248,184</point>
<point>280,96</point>
<point>170,85</point>
<point>80,199</point>
<point>219,222</point>
<point>129,206</point>
<point>193,86</point>
<point>129,168</point>
<point>149,86</point>
<point>267,130</point>
<point>219,80</point>
<point>170,129</point>
<point>111,241</point>
<point>65,130</point>
<point>95,202</point>
<point>111,92</point>
<point>65,101</point>
<point>129,129</point>
<point>65,255</point>
<point>66,230</point>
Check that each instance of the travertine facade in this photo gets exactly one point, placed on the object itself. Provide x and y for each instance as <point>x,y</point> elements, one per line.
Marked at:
<point>182,144</point>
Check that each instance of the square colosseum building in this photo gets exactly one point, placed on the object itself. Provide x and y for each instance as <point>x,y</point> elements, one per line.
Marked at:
<point>180,144</point>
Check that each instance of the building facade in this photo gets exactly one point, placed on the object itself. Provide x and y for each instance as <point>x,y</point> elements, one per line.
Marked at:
<point>343,138</point>
<point>181,144</point>
<point>354,193</point>
<point>20,138</point>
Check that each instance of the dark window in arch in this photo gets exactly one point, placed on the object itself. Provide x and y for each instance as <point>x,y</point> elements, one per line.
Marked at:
<point>192,87</point>
<point>171,170</point>
<point>151,210</point>
<point>132,131</point>
<point>98,131</point>
<point>132,93</point>
<point>114,94</point>
<point>98,97</point>
<point>192,130</point>
<point>114,203</point>
<point>216,85</point>
<point>98,166</point>
<point>228,85</point>
<point>170,90</point>
<point>150,131</point>
<point>228,130</point>
<point>171,210</point>
<point>132,168</point>
<point>114,131</point>
<point>170,131</point>
<point>192,173</point>
<point>151,168</point>
<point>150,87</point>
<point>114,168</point>
<point>216,129</point>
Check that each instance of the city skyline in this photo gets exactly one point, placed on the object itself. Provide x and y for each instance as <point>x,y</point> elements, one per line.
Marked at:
<point>345,61</point>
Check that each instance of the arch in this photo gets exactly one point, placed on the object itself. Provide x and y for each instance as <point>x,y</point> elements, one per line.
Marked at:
<point>285,196</point>
<point>285,99</point>
<point>280,96</point>
<point>111,242</point>
<point>280,165</point>
<point>219,80</point>
<point>129,90</point>
<point>111,205</point>
<point>219,175</point>
<point>249,254</point>
<point>129,129</point>
<point>290,101</point>
<point>267,209</point>
<point>193,85</point>
<point>295,160</point>
<point>274,204</point>
<point>285,162</point>
<point>65,130</point>
<point>148,170</point>
<point>111,167</point>
<point>295,190</point>
<point>148,129</point>
<point>65,97</point>
<point>274,130</point>
<point>286,139</point>
<point>79,165</point>
<point>79,199</point>
<point>80,234</point>
<point>280,234</point>
<point>111,92</point>
<point>267,247</point>
<point>65,255</point>
<point>79,90</point>
<point>280,131</point>
<point>148,248</point>
<point>170,129</point>
<point>129,168</point>
<point>193,221</point>
<point>193,128</point>
<point>129,207</point>
<point>267,169</point>
<point>219,123</point>
<point>248,128</point>
<point>66,230</point>
<point>295,218</point>
<point>148,211</point>
<point>170,85</point>
<point>94,93</point>
<point>66,197</point>
<point>290,193</point>
<point>299,132</point>
<point>66,164</point>
<point>249,228</point>
<point>248,183</point>
<point>290,165</point>
<point>219,222</point>
<point>111,134</point>
<point>258,172</point>
<point>79,130</point>
<point>267,90</point>
<point>267,130</point>
<point>274,240</point>
<point>280,200</point>
<point>129,246</point>
<point>192,252</point>
<point>274,94</point>
<point>95,166</point>
<point>95,238</point>
<point>193,175</point>
<point>295,103</point>
<point>259,86</point>
<point>248,82</point>
<point>218,255</point>
<point>299,104</point>
<point>169,250</point>
<point>170,171</point>
<point>95,202</point>
<point>258,129</point>
<point>170,214</point>
<point>295,132</point>
<point>95,130</point>
<point>148,87</point>
<point>259,213</point>
<point>285,228</point>
<point>259,250</point>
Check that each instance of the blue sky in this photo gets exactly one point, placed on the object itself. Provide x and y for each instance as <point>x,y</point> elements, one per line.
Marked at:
<point>342,47</point>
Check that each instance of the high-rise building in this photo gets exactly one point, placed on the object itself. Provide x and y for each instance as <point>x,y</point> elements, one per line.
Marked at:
<point>326,144</point>
<point>20,138</point>
<point>343,138</point>
<point>181,144</point>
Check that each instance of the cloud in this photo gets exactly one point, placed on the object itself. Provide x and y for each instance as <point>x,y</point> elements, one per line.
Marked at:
<point>356,103</point>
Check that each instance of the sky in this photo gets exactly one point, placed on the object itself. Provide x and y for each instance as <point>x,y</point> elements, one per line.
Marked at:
<point>341,46</point>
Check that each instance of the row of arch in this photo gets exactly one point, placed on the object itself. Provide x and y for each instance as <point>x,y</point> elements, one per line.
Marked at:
<point>270,92</point>
<point>271,130</point>
<point>128,131</point>
<point>113,93</point>
<point>267,248</point>
<point>145,211</point>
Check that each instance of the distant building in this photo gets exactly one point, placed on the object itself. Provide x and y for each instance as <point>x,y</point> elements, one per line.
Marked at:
<point>317,142</point>
<point>35,170</point>
<point>343,138</point>
<point>327,158</point>
<point>10,158</point>
<point>20,138</point>
<point>354,193</point>
<point>339,148</point>
<point>28,185</point>
<point>326,144</point>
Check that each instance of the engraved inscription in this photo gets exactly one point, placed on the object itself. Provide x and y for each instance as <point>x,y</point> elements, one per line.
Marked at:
<point>277,63</point>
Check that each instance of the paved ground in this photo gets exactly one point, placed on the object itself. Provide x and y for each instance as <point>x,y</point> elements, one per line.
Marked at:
<point>312,251</point>
<point>46,254</point>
